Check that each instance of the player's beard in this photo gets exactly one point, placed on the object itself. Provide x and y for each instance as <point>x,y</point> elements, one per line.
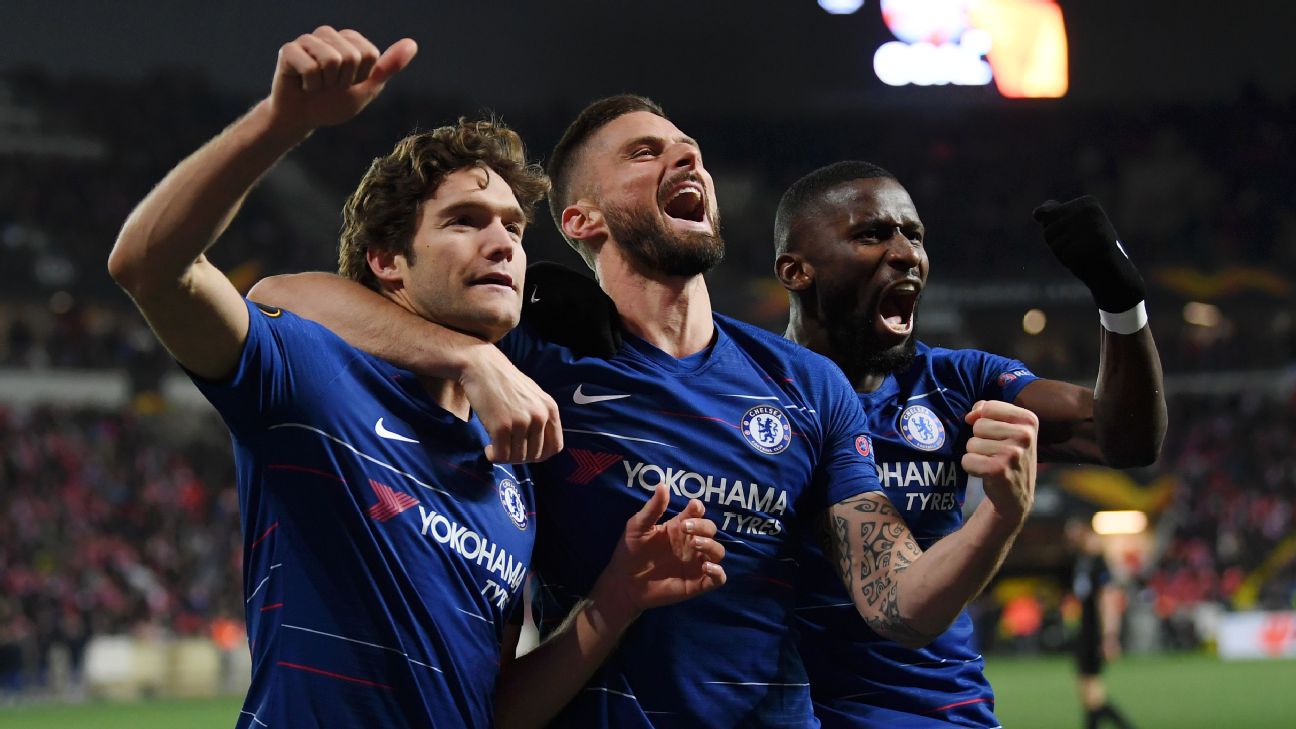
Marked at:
<point>653,248</point>
<point>854,337</point>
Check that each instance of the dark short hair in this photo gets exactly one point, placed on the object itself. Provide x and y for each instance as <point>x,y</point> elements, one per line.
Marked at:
<point>566,154</point>
<point>383,212</point>
<point>811,188</point>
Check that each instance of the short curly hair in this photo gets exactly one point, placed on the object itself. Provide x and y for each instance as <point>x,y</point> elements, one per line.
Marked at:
<point>383,212</point>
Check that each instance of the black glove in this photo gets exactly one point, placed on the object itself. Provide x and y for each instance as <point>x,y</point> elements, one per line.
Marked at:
<point>568,308</point>
<point>1084,240</point>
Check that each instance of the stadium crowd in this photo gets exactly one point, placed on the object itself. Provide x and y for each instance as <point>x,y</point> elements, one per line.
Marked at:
<point>1233,505</point>
<point>111,523</point>
<point>1188,187</point>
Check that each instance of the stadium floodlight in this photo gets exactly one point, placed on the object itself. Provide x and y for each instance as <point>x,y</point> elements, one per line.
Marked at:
<point>841,7</point>
<point>1202,315</point>
<point>1034,321</point>
<point>1119,522</point>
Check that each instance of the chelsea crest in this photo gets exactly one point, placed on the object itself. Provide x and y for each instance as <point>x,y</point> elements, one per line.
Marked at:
<point>766,429</point>
<point>921,428</point>
<point>511,498</point>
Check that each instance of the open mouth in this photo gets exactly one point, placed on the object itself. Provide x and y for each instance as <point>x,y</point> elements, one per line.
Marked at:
<point>494,278</point>
<point>686,202</point>
<point>896,307</point>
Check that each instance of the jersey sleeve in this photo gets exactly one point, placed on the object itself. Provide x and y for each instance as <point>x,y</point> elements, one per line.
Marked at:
<point>846,466</point>
<point>284,357</point>
<point>1000,378</point>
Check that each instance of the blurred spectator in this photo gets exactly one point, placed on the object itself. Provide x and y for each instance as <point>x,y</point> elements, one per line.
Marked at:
<point>1201,188</point>
<point>1235,458</point>
<point>108,524</point>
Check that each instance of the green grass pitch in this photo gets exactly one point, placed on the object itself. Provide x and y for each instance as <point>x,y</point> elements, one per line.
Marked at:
<point>1163,692</point>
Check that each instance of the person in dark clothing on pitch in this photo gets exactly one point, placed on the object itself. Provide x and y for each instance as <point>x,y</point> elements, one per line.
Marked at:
<point>1101,605</point>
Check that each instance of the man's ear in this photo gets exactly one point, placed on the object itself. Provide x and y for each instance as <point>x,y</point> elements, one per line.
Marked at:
<point>383,263</point>
<point>794,272</point>
<point>582,221</point>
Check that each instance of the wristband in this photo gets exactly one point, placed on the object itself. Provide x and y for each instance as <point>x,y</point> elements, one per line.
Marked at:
<point>1126,322</point>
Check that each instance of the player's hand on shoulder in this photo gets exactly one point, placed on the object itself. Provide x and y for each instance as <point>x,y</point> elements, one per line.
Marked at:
<point>328,76</point>
<point>658,564</point>
<point>520,418</point>
<point>1002,452</point>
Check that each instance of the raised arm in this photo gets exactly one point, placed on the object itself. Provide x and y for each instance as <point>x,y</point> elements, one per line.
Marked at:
<point>912,596</point>
<point>653,565</point>
<point>521,419</point>
<point>1122,421</point>
<point>320,79</point>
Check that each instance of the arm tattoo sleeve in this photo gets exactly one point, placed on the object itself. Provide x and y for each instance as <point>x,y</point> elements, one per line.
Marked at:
<point>836,547</point>
<point>872,544</point>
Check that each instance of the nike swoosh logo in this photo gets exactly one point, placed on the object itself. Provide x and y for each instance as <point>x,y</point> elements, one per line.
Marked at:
<point>581,398</point>
<point>535,299</point>
<point>384,433</point>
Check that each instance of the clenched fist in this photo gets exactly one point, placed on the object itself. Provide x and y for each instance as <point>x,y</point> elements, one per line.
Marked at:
<point>1083,239</point>
<point>1001,452</point>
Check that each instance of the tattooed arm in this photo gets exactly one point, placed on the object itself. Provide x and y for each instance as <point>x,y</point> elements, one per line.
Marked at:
<point>912,596</point>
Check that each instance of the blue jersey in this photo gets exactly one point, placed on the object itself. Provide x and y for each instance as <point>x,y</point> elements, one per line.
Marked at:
<point>382,552</point>
<point>860,679</point>
<point>765,434</point>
